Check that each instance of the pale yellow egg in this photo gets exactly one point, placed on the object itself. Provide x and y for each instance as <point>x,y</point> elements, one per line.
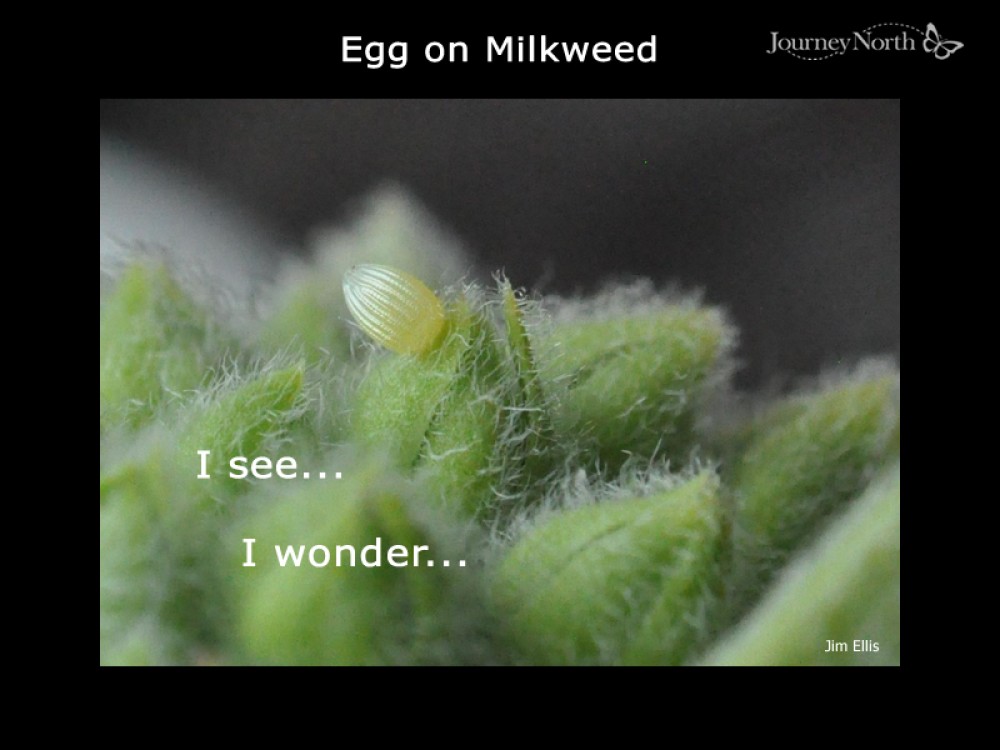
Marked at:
<point>395,308</point>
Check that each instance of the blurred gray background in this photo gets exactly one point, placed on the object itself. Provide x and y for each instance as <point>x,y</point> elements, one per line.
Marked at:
<point>785,212</point>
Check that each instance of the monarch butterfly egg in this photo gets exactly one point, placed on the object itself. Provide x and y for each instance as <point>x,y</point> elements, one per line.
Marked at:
<point>396,309</point>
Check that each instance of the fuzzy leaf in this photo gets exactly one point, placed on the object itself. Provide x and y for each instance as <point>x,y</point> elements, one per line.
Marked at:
<point>240,422</point>
<point>445,413</point>
<point>159,602</point>
<point>154,342</point>
<point>802,467</point>
<point>631,384</point>
<point>844,589</point>
<point>626,581</point>
<point>356,615</point>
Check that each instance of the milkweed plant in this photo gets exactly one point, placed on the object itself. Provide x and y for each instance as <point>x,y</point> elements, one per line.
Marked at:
<point>601,492</point>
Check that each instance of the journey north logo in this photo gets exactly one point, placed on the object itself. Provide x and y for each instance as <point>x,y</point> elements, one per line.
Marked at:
<point>882,37</point>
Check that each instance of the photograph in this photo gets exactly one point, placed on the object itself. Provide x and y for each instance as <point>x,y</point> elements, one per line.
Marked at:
<point>502,381</point>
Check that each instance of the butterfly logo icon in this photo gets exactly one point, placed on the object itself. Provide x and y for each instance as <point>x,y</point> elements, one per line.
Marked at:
<point>942,48</point>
